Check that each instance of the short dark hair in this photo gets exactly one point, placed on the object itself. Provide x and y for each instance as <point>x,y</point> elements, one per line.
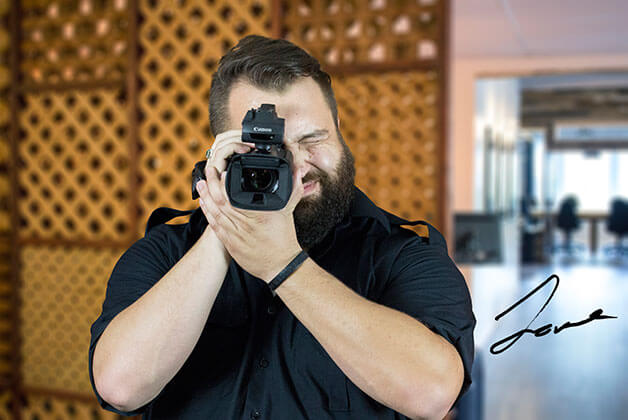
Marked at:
<point>271,64</point>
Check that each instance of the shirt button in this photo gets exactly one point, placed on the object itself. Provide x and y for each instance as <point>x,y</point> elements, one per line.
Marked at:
<point>263,363</point>
<point>271,309</point>
<point>255,414</point>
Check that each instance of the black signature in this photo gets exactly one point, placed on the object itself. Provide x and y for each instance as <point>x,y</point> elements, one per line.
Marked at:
<point>545,329</point>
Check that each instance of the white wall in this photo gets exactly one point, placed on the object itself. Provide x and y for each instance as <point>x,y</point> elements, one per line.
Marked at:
<point>462,111</point>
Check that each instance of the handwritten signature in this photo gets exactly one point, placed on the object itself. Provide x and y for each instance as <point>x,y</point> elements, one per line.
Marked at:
<point>545,329</point>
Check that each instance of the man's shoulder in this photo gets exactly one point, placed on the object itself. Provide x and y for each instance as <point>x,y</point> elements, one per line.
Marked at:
<point>174,239</point>
<point>389,226</point>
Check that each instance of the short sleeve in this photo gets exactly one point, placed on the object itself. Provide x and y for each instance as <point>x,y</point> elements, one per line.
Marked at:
<point>426,284</point>
<point>137,270</point>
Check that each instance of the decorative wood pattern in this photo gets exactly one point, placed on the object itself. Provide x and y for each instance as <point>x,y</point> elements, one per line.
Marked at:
<point>182,45</point>
<point>352,32</point>
<point>73,41</point>
<point>5,117</point>
<point>6,308</point>
<point>7,399</point>
<point>6,287</point>
<point>390,123</point>
<point>62,294</point>
<point>73,154</point>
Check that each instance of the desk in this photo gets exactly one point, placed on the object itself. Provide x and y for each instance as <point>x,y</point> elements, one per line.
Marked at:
<point>592,217</point>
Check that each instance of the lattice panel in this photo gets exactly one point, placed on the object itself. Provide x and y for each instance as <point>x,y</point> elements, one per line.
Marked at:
<point>74,156</point>
<point>6,289</point>
<point>342,32</point>
<point>5,81</point>
<point>38,407</point>
<point>390,122</point>
<point>6,320</point>
<point>62,293</point>
<point>182,46</point>
<point>73,41</point>
<point>7,399</point>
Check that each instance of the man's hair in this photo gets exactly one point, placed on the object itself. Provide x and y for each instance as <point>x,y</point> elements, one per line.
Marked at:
<point>270,64</point>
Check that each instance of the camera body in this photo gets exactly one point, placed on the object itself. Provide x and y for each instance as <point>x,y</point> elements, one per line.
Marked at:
<point>262,178</point>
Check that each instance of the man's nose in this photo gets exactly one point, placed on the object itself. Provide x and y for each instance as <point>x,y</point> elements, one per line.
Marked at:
<point>300,158</point>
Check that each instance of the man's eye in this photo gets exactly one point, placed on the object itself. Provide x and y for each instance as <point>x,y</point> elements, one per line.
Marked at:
<point>309,141</point>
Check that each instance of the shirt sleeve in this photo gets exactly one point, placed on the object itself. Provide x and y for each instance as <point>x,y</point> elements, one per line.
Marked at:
<point>137,270</point>
<point>426,284</point>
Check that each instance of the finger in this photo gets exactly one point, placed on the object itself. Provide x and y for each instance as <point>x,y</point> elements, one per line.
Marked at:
<point>221,155</point>
<point>211,221</point>
<point>212,210</point>
<point>220,201</point>
<point>203,201</point>
<point>231,136</point>
<point>213,188</point>
<point>238,216</point>
<point>228,135</point>
<point>297,191</point>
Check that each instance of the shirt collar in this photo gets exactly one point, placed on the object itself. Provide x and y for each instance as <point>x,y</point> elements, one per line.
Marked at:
<point>362,206</point>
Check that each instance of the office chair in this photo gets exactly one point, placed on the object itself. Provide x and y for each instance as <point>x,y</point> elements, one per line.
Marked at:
<point>568,221</point>
<point>617,223</point>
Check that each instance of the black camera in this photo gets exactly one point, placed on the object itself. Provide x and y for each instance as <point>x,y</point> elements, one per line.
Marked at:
<point>262,178</point>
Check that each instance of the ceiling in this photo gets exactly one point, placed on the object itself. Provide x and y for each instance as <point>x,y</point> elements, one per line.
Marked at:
<point>517,28</point>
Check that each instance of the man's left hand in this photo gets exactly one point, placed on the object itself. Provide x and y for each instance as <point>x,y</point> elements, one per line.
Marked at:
<point>261,242</point>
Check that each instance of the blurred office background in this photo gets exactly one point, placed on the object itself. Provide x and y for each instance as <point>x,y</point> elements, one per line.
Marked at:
<point>539,141</point>
<point>503,123</point>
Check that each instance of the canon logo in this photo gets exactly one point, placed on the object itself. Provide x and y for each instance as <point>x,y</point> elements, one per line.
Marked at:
<point>262,129</point>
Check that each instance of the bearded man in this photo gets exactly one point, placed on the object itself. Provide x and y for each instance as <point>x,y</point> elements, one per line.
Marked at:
<point>325,309</point>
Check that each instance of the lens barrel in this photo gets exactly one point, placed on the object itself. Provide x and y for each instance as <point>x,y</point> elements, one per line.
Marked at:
<point>259,180</point>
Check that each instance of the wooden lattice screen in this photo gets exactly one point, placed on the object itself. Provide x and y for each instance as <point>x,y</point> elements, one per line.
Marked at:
<point>109,115</point>
<point>181,48</point>
<point>74,186</point>
<point>387,62</point>
<point>396,143</point>
<point>8,325</point>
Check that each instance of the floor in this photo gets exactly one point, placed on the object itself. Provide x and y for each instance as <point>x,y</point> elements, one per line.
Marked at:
<point>579,373</point>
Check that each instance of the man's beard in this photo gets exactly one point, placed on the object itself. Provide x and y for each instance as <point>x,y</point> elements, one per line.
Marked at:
<point>315,217</point>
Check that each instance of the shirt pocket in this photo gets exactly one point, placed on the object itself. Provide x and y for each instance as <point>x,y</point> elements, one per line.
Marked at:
<point>319,382</point>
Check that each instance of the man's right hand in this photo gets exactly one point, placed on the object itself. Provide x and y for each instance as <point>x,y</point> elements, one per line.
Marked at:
<point>226,144</point>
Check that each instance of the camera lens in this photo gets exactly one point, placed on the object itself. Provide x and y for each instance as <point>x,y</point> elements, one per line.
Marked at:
<point>259,180</point>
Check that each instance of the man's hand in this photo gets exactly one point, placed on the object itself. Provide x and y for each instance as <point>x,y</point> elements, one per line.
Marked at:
<point>262,242</point>
<point>227,144</point>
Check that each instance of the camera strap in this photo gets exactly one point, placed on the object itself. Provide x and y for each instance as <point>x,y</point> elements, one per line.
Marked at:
<point>163,215</point>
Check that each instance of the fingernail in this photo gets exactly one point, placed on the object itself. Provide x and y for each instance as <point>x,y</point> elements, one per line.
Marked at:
<point>200,186</point>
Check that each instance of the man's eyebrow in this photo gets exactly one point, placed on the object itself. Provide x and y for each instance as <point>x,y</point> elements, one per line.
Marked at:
<point>315,133</point>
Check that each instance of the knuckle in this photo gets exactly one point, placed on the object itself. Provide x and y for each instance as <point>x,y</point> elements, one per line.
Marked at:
<point>213,212</point>
<point>208,167</point>
<point>218,198</point>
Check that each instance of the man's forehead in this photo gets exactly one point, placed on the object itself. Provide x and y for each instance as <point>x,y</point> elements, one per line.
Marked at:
<point>301,100</point>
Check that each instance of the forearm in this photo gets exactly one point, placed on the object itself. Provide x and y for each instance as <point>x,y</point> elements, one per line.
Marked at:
<point>387,354</point>
<point>145,345</point>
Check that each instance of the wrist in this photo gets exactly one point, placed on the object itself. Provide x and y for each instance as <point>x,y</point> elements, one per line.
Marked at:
<point>275,266</point>
<point>213,245</point>
<point>287,271</point>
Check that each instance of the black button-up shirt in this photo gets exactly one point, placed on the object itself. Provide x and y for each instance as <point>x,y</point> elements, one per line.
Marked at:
<point>254,359</point>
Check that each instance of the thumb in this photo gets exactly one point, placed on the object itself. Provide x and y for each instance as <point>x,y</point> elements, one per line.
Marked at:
<point>297,191</point>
